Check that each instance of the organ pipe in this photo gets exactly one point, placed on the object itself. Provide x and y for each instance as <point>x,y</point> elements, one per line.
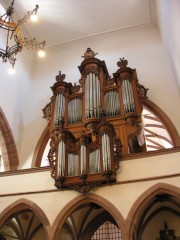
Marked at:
<point>73,169</point>
<point>92,96</point>
<point>112,105</point>
<point>83,159</point>
<point>128,98</point>
<point>94,161</point>
<point>106,153</point>
<point>61,158</point>
<point>59,108</point>
<point>75,111</point>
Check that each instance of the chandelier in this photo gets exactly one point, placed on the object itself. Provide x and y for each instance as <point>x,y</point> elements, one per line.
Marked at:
<point>14,40</point>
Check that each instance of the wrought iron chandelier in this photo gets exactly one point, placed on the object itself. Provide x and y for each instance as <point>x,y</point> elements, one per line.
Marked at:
<point>14,40</point>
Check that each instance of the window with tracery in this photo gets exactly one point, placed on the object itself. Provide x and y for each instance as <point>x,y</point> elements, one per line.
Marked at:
<point>107,231</point>
<point>90,222</point>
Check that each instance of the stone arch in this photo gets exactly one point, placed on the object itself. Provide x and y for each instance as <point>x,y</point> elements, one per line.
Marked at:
<point>40,147</point>
<point>7,144</point>
<point>142,202</point>
<point>84,199</point>
<point>25,204</point>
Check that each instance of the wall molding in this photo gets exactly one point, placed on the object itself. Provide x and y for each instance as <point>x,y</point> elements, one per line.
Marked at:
<point>175,175</point>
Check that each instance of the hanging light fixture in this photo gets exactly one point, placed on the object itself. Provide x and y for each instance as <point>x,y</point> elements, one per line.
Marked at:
<point>14,40</point>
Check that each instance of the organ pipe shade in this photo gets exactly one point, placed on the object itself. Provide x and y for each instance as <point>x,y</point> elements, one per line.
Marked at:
<point>94,161</point>
<point>75,111</point>
<point>111,102</point>
<point>128,98</point>
<point>61,159</point>
<point>59,108</point>
<point>83,159</point>
<point>92,96</point>
<point>106,152</point>
<point>73,164</point>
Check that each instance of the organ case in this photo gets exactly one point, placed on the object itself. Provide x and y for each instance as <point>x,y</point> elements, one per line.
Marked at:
<point>93,123</point>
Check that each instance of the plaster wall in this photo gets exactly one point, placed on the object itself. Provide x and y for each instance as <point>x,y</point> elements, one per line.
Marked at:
<point>142,48</point>
<point>122,197</point>
<point>168,18</point>
<point>14,94</point>
<point>38,187</point>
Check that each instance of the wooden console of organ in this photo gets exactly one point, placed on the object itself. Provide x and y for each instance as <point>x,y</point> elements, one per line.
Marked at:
<point>93,123</point>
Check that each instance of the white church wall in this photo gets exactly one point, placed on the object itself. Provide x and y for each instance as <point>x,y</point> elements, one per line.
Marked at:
<point>14,94</point>
<point>168,18</point>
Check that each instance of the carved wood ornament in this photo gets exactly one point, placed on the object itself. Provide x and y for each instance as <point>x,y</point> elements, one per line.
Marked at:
<point>93,123</point>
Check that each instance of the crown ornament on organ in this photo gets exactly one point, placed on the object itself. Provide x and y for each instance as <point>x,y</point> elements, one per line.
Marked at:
<point>60,77</point>
<point>89,54</point>
<point>92,125</point>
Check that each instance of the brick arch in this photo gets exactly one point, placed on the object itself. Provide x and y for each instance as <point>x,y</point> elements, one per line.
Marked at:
<point>142,202</point>
<point>7,144</point>
<point>25,204</point>
<point>84,199</point>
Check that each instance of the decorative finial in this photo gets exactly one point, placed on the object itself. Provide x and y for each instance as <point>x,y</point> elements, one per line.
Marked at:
<point>122,63</point>
<point>60,77</point>
<point>89,54</point>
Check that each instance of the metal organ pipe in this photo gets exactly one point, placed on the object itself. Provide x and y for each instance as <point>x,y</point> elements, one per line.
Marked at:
<point>98,95</point>
<point>106,153</point>
<point>83,159</point>
<point>61,158</point>
<point>128,98</point>
<point>75,111</point>
<point>112,105</point>
<point>59,108</point>
<point>94,161</point>
<point>73,164</point>
<point>92,96</point>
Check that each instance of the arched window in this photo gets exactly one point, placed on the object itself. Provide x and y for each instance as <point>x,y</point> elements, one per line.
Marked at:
<point>155,133</point>
<point>90,222</point>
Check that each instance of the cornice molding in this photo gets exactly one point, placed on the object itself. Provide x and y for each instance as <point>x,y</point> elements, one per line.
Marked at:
<point>112,184</point>
<point>102,35</point>
<point>124,158</point>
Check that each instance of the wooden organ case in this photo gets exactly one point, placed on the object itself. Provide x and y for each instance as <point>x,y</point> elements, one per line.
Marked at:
<point>93,124</point>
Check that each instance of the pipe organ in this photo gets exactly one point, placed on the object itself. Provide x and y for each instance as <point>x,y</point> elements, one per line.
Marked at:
<point>93,123</point>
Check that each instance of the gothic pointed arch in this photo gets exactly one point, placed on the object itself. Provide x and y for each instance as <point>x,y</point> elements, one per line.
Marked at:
<point>160,197</point>
<point>40,147</point>
<point>94,201</point>
<point>24,209</point>
<point>7,144</point>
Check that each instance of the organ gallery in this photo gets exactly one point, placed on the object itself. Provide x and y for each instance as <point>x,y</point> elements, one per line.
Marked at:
<point>93,123</point>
